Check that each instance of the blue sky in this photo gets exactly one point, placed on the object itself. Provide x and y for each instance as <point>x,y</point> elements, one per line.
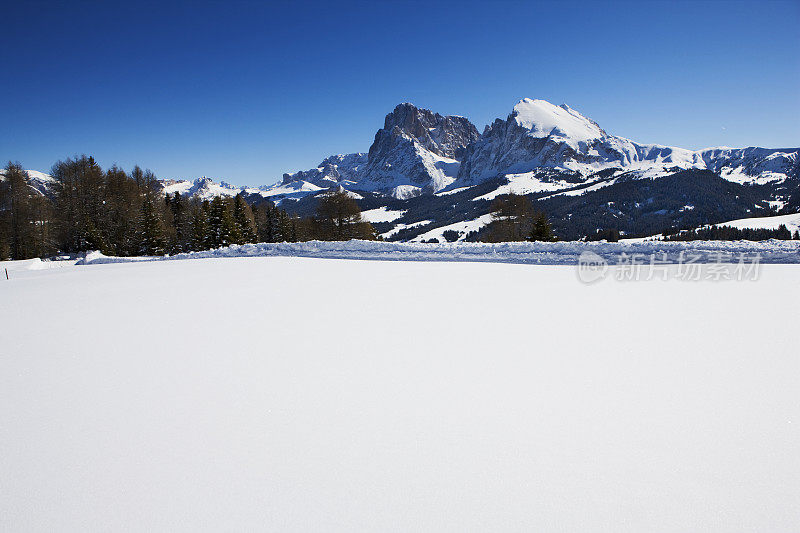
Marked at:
<point>246,91</point>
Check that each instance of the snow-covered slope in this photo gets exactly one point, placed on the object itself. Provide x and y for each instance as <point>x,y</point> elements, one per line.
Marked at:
<point>291,394</point>
<point>544,119</point>
<point>792,222</point>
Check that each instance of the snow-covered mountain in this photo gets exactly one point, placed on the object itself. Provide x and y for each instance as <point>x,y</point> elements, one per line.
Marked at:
<point>39,181</point>
<point>416,152</point>
<point>417,148</point>
<point>342,170</point>
<point>540,147</point>
<point>538,136</point>
<point>206,188</point>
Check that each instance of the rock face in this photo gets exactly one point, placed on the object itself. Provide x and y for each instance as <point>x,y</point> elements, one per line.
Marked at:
<point>444,136</point>
<point>417,151</point>
<point>538,134</point>
<point>417,148</point>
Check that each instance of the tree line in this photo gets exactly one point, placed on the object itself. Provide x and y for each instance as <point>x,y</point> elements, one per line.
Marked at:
<point>126,214</point>
<point>729,233</point>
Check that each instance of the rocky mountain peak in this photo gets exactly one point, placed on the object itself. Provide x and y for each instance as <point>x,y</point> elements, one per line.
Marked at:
<point>445,136</point>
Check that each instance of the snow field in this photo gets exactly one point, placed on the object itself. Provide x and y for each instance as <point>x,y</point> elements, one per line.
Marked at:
<point>295,394</point>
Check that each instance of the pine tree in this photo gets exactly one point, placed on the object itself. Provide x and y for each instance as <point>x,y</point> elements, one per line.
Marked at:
<point>20,223</point>
<point>80,198</point>
<point>214,236</point>
<point>222,226</point>
<point>275,228</point>
<point>230,230</point>
<point>541,229</point>
<point>151,230</point>
<point>183,237</point>
<point>123,206</point>
<point>201,227</point>
<point>5,218</point>
<point>243,217</point>
<point>262,223</point>
<point>783,233</point>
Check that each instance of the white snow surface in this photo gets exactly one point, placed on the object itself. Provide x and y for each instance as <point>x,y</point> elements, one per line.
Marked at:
<point>401,226</point>
<point>381,214</point>
<point>526,183</point>
<point>463,228</point>
<point>227,395</point>
<point>544,119</point>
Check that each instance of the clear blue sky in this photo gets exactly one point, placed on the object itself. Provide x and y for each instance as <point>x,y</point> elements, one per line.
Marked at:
<point>246,91</point>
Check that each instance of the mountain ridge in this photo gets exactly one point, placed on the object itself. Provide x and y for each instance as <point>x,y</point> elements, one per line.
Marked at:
<point>440,172</point>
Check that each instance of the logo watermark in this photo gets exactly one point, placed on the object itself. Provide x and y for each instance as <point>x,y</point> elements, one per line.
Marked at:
<point>687,266</point>
<point>591,267</point>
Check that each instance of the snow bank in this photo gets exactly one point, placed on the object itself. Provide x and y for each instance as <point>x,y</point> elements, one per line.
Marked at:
<point>37,264</point>
<point>540,253</point>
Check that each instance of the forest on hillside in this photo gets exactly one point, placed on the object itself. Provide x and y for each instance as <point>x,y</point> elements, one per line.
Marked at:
<point>126,214</point>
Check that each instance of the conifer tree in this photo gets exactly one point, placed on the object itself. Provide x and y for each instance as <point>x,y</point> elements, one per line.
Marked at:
<point>123,206</point>
<point>180,222</point>
<point>201,227</point>
<point>262,222</point>
<point>215,231</point>
<point>20,223</point>
<point>243,218</point>
<point>80,194</point>
<point>137,174</point>
<point>541,229</point>
<point>152,241</point>
<point>222,226</point>
<point>275,227</point>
